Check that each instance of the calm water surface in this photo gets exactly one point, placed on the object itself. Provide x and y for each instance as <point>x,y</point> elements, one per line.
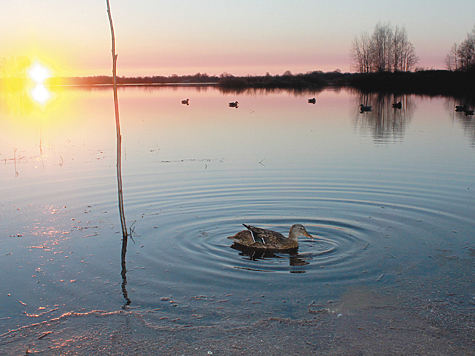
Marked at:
<point>390,190</point>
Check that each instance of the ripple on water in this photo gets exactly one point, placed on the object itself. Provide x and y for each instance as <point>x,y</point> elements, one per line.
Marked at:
<point>362,224</point>
<point>368,228</point>
<point>184,235</point>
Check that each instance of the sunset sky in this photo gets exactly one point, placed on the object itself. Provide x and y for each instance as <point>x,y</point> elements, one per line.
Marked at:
<point>215,36</point>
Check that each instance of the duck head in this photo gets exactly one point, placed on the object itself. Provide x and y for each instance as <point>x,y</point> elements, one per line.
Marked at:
<point>298,230</point>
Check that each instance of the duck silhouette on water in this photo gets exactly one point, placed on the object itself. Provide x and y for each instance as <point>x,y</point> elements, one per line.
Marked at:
<point>257,238</point>
<point>364,108</point>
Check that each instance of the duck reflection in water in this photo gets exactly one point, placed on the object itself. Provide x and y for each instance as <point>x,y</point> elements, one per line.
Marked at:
<point>261,254</point>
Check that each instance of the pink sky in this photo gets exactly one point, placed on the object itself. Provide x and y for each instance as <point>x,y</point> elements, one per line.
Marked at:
<point>238,37</point>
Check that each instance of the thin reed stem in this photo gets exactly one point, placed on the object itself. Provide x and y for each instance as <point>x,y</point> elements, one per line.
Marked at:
<point>119,136</point>
<point>119,164</point>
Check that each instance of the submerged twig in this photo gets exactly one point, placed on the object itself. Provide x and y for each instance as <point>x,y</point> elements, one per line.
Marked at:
<point>132,231</point>
<point>14,159</point>
<point>44,334</point>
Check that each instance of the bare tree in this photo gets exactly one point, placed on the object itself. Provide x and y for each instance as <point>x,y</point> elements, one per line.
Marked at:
<point>385,50</point>
<point>404,56</point>
<point>451,60</point>
<point>466,51</point>
<point>381,41</point>
<point>409,57</point>
<point>399,40</point>
<point>462,56</point>
<point>361,53</point>
<point>14,67</point>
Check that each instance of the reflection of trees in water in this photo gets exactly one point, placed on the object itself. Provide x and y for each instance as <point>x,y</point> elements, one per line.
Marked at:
<point>384,122</point>
<point>266,91</point>
<point>468,125</point>
<point>466,121</point>
<point>16,101</point>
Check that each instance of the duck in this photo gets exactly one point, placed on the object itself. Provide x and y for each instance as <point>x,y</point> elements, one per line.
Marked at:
<point>460,108</point>
<point>233,104</point>
<point>365,108</point>
<point>257,238</point>
<point>186,102</point>
<point>397,105</point>
<point>312,101</point>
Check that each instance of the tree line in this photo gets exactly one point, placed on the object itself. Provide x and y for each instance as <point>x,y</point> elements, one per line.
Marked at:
<point>158,79</point>
<point>387,49</point>
<point>462,56</point>
<point>14,67</point>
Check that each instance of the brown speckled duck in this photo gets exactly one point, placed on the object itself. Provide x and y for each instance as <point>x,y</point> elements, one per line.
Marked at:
<point>257,238</point>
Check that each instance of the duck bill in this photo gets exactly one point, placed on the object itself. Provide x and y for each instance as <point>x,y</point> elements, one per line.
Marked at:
<point>308,235</point>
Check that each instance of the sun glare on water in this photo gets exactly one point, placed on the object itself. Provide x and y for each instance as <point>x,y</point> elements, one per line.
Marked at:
<point>40,94</point>
<point>39,73</point>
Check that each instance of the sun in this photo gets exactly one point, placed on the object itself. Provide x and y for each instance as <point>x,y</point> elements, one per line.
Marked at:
<point>39,73</point>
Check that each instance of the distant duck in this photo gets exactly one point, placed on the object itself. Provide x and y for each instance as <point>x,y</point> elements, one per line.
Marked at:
<point>257,238</point>
<point>460,108</point>
<point>312,101</point>
<point>186,102</point>
<point>397,105</point>
<point>233,104</point>
<point>468,112</point>
<point>365,108</point>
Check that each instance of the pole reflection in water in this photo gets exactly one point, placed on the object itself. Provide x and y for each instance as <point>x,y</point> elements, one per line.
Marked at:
<point>119,166</point>
<point>124,282</point>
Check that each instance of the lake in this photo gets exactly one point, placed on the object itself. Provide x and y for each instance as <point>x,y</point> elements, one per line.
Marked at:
<point>391,193</point>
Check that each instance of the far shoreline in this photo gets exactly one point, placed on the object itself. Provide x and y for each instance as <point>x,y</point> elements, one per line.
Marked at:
<point>427,82</point>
